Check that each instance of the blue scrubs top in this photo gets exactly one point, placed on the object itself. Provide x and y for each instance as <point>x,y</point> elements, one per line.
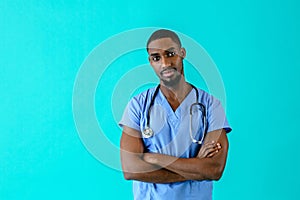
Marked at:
<point>171,137</point>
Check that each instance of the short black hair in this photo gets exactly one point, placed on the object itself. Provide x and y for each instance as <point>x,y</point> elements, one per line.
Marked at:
<point>164,33</point>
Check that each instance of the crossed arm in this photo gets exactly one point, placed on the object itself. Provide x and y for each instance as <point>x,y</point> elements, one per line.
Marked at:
<point>159,168</point>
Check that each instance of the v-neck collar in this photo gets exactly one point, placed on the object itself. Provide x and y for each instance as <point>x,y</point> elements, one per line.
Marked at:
<point>167,105</point>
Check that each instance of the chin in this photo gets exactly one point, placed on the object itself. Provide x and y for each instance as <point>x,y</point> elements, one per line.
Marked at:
<point>172,82</point>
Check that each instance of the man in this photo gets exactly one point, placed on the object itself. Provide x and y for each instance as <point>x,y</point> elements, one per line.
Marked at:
<point>163,148</point>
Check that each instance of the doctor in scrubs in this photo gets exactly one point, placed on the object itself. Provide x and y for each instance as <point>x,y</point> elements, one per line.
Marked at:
<point>170,148</point>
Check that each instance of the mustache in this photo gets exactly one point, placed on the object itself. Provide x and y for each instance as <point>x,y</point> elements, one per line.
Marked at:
<point>168,68</point>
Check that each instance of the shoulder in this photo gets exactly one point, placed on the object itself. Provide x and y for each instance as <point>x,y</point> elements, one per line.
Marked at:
<point>205,96</point>
<point>208,99</point>
<point>143,97</point>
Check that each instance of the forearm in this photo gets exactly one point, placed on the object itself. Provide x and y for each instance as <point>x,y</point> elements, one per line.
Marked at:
<point>135,168</point>
<point>190,168</point>
<point>157,176</point>
<point>198,168</point>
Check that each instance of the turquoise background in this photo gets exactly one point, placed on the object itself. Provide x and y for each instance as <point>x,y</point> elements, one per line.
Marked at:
<point>255,45</point>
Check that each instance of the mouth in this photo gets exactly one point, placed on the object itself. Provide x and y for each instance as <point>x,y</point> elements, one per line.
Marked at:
<point>168,72</point>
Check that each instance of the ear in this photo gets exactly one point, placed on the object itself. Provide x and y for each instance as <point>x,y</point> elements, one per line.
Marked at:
<point>149,59</point>
<point>182,53</point>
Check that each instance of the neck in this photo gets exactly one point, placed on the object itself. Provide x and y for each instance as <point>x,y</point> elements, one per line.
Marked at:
<point>177,92</point>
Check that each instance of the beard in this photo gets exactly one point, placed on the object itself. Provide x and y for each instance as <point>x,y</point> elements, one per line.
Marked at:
<point>171,81</point>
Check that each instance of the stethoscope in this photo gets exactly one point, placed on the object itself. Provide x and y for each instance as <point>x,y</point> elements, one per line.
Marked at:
<point>148,132</point>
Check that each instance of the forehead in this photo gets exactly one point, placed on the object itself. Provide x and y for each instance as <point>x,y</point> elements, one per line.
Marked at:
<point>162,44</point>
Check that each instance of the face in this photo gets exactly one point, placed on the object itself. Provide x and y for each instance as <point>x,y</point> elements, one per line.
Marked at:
<point>166,58</point>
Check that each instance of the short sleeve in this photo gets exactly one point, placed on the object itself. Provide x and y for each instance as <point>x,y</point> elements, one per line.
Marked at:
<point>216,116</point>
<point>132,114</point>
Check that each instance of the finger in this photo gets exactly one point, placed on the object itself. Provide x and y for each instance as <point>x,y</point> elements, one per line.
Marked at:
<point>208,146</point>
<point>210,150</point>
<point>204,152</point>
<point>216,150</point>
<point>212,146</point>
<point>212,153</point>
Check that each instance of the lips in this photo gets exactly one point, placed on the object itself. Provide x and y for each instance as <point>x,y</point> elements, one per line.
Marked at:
<point>168,72</point>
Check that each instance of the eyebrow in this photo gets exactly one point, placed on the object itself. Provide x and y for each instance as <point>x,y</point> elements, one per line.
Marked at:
<point>167,50</point>
<point>154,54</point>
<point>170,49</point>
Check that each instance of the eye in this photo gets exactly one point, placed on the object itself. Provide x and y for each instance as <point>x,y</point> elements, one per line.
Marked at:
<point>170,54</point>
<point>155,58</point>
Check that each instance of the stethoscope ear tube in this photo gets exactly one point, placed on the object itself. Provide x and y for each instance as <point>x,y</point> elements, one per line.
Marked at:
<point>202,108</point>
<point>148,132</point>
<point>204,122</point>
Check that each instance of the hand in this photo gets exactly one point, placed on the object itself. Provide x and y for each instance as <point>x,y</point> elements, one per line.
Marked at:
<point>209,149</point>
<point>150,158</point>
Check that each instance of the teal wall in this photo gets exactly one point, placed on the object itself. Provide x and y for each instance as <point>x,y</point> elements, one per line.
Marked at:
<point>43,45</point>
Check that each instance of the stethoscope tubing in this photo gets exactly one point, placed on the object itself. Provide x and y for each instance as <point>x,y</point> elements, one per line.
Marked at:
<point>148,132</point>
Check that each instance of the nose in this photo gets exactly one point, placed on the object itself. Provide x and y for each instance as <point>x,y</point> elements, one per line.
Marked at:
<point>166,62</point>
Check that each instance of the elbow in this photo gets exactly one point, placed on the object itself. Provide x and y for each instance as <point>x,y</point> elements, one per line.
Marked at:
<point>130,173</point>
<point>128,176</point>
<point>217,176</point>
<point>217,173</point>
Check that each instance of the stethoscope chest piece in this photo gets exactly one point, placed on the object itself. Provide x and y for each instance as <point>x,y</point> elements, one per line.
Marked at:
<point>147,132</point>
